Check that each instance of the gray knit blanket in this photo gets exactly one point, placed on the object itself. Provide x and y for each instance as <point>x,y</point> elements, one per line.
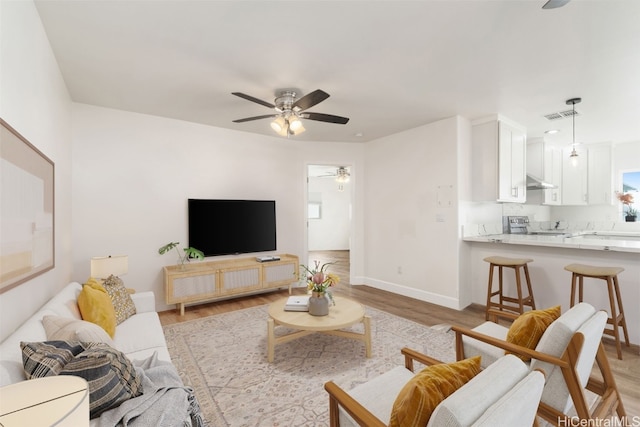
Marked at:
<point>165,401</point>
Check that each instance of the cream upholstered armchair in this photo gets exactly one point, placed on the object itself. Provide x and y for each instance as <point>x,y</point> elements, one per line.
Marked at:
<point>505,393</point>
<point>566,351</point>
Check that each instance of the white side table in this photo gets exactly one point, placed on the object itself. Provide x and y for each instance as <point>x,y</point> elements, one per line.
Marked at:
<point>61,400</point>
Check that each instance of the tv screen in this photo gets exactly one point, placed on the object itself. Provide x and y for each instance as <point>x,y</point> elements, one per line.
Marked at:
<point>224,227</point>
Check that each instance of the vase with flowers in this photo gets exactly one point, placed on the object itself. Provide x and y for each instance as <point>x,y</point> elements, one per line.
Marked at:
<point>627,200</point>
<point>318,283</point>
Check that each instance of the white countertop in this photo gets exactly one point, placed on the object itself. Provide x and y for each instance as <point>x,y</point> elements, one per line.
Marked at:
<point>593,240</point>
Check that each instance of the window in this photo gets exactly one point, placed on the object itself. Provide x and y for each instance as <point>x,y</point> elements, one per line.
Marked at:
<point>315,210</point>
<point>630,196</point>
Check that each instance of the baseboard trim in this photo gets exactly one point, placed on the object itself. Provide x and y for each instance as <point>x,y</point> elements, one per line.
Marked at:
<point>406,291</point>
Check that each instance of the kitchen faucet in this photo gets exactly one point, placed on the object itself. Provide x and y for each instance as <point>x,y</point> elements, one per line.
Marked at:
<point>557,225</point>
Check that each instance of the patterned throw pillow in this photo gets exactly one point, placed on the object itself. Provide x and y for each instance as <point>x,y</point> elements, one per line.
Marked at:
<point>423,393</point>
<point>60,328</point>
<point>120,298</point>
<point>529,327</point>
<point>111,376</point>
<point>44,359</point>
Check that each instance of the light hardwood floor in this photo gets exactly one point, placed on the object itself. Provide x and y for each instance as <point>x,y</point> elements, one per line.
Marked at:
<point>626,371</point>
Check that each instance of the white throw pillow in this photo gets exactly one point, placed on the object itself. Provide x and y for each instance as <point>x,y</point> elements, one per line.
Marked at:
<point>60,328</point>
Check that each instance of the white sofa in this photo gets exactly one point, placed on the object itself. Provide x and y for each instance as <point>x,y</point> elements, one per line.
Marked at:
<point>138,337</point>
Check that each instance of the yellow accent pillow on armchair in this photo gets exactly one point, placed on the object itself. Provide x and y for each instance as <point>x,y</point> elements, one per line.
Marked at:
<point>423,393</point>
<point>529,327</point>
<point>96,307</point>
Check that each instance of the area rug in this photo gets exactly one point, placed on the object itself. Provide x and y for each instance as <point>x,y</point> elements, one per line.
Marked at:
<point>224,359</point>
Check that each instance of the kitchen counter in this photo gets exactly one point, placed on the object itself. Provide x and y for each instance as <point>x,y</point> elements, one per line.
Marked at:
<point>593,240</point>
<point>550,254</point>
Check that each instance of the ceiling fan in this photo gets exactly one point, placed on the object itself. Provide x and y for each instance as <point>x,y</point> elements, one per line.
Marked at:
<point>552,4</point>
<point>289,111</point>
<point>341,174</point>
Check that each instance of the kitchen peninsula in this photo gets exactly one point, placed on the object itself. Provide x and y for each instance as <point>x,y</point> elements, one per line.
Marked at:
<point>551,283</point>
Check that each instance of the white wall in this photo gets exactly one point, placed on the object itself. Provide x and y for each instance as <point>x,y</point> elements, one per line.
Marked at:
<point>133,174</point>
<point>411,204</point>
<point>331,231</point>
<point>34,101</point>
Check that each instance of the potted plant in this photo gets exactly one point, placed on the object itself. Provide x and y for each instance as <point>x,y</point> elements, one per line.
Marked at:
<point>185,257</point>
<point>627,200</point>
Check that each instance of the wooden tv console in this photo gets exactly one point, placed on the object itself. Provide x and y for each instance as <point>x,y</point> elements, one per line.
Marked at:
<point>212,280</point>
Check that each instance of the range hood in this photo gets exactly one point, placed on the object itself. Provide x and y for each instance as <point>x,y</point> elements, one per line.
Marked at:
<point>535,183</point>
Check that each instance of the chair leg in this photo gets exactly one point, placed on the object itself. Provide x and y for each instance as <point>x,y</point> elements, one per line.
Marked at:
<point>614,316</point>
<point>529,288</point>
<point>519,289</point>
<point>609,387</point>
<point>623,319</point>
<point>580,288</point>
<point>500,297</point>
<point>489,292</point>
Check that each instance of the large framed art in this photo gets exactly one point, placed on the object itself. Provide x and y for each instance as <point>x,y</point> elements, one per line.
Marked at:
<point>26,210</point>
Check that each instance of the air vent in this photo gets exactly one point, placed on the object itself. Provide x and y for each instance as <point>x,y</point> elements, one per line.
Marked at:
<point>561,115</point>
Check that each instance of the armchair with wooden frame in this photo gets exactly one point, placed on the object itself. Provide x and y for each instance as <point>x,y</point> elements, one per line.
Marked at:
<point>505,393</point>
<point>567,352</point>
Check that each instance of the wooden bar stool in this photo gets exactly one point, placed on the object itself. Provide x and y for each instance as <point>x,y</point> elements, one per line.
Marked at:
<point>610,275</point>
<point>516,303</point>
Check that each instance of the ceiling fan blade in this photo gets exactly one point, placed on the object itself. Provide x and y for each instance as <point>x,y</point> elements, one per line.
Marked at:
<point>248,119</point>
<point>326,118</point>
<point>252,99</point>
<point>552,4</point>
<point>310,99</point>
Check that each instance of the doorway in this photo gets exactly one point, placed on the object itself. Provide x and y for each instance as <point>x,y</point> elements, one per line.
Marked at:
<point>329,207</point>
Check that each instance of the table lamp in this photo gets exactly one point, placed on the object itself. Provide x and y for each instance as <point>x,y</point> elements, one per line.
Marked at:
<point>105,266</point>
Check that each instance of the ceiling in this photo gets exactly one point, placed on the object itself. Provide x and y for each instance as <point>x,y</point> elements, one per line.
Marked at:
<point>388,65</point>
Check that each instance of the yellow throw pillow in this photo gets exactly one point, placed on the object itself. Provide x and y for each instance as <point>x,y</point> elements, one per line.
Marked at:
<point>96,307</point>
<point>423,393</point>
<point>528,328</point>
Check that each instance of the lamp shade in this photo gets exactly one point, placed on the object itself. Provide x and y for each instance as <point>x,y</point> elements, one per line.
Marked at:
<point>103,267</point>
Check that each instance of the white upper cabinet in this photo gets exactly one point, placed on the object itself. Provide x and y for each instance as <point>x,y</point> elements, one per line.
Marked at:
<point>574,178</point>
<point>553,175</point>
<point>600,180</point>
<point>499,161</point>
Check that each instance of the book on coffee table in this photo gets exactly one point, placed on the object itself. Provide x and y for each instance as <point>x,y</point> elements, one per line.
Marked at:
<point>297,303</point>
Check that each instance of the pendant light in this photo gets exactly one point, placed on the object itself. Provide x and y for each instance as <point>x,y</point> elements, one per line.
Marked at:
<point>574,154</point>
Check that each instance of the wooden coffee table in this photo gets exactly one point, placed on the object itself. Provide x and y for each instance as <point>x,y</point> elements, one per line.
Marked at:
<point>342,315</point>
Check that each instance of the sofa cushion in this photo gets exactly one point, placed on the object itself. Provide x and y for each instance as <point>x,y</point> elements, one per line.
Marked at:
<point>377,394</point>
<point>528,328</point>
<point>111,376</point>
<point>488,352</point>
<point>120,298</point>
<point>423,393</point>
<point>139,333</point>
<point>60,328</point>
<point>96,307</point>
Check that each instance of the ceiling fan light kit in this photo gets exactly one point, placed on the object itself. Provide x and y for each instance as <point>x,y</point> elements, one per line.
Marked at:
<point>289,111</point>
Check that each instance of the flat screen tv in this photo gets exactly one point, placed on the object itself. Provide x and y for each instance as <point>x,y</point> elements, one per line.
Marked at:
<point>224,227</point>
